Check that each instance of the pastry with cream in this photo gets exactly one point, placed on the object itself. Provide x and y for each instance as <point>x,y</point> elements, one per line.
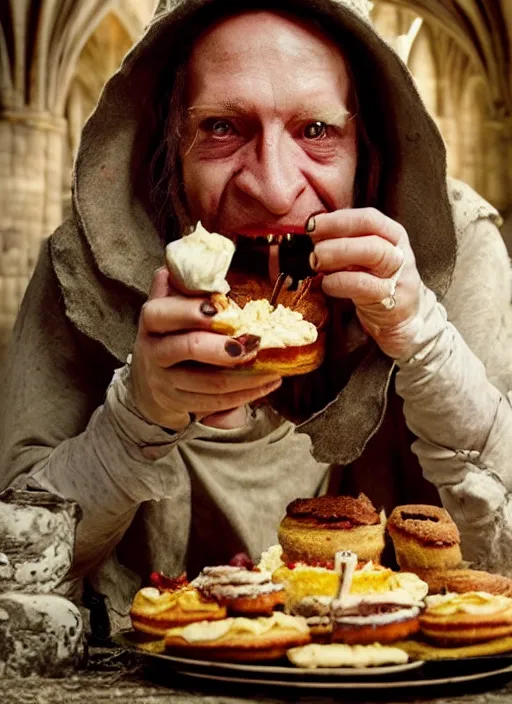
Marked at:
<point>239,639</point>
<point>374,618</point>
<point>242,591</point>
<point>465,619</point>
<point>199,262</point>
<point>316,610</point>
<point>292,331</point>
<point>154,611</point>
<point>314,529</point>
<point>342,655</point>
<point>363,619</point>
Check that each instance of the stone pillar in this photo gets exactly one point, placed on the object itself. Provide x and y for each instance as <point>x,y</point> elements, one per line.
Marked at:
<point>40,44</point>
<point>450,129</point>
<point>31,161</point>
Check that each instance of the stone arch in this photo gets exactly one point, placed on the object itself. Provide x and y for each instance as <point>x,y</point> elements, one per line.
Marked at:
<point>99,58</point>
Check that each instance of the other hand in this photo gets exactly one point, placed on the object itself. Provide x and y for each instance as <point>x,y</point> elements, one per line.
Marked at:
<point>366,256</point>
<point>181,368</point>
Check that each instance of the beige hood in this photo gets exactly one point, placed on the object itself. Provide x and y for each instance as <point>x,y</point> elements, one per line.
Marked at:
<point>105,264</point>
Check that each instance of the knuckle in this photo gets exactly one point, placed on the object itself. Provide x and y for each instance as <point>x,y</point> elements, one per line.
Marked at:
<point>219,383</point>
<point>401,232</point>
<point>371,218</point>
<point>145,316</point>
<point>383,262</point>
<point>193,344</point>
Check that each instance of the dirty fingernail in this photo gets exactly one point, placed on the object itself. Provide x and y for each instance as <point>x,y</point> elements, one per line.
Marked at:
<point>208,309</point>
<point>249,342</point>
<point>313,261</point>
<point>311,224</point>
<point>233,348</point>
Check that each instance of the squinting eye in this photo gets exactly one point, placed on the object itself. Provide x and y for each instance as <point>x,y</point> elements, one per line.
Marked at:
<point>220,128</point>
<point>315,130</point>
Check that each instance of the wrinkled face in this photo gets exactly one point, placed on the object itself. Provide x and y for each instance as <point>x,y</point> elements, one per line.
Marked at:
<point>269,140</point>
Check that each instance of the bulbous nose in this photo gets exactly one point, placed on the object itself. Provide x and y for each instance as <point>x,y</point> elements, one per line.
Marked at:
<point>271,174</point>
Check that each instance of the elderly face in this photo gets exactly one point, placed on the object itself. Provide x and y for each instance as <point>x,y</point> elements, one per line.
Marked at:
<point>269,139</point>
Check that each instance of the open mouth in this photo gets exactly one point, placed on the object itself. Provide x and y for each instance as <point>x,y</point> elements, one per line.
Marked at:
<point>274,254</point>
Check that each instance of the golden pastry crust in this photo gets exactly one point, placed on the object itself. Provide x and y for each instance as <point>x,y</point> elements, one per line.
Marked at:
<point>160,613</point>
<point>466,629</point>
<point>422,650</point>
<point>243,591</point>
<point>315,529</point>
<point>309,300</point>
<point>424,537</point>
<point>318,546</point>
<point>261,605</point>
<point>366,635</point>
<point>429,525</point>
<point>240,647</point>
<point>464,580</point>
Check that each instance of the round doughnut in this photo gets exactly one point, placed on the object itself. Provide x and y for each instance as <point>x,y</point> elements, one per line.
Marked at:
<point>424,537</point>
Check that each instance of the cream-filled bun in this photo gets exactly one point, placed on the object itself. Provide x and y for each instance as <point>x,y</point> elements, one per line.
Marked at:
<point>240,639</point>
<point>292,332</point>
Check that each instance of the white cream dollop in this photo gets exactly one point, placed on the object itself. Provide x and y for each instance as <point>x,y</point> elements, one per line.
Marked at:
<point>271,559</point>
<point>200,261</point>
<point>238,626</point>
<point>278,327</point>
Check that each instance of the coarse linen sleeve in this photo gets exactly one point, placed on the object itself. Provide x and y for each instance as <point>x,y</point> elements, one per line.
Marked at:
<point>68,426</point>
<point>457,389</point>
<point>66,429</point>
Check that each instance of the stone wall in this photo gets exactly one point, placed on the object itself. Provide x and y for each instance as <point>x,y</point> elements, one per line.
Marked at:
<point>31,154</point>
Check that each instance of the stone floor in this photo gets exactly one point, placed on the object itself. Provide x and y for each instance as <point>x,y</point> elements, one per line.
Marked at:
<point>120,676</point>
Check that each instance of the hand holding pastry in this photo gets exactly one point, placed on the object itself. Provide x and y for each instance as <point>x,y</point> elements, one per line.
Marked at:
<point>182,368</point>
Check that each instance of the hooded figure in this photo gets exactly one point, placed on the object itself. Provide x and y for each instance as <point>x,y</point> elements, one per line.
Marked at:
<point>418,417</point>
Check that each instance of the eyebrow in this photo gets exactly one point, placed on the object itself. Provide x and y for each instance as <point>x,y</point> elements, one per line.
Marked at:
<point>332,115</point>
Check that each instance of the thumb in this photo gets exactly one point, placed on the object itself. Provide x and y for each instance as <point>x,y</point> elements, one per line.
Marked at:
<point>160,285</point>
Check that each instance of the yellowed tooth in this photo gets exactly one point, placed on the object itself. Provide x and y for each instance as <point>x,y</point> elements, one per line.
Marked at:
<point>289,236</point>
<point>279,238</point>
<point>270,239</point>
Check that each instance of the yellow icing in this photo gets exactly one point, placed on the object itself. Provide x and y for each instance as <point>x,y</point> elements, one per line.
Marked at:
<point>473,603</point>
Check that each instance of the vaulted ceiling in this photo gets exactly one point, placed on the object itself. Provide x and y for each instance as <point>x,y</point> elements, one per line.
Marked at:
<point>483,29</point>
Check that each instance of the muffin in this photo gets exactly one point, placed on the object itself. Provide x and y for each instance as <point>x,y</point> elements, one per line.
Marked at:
<point>424,537</point>
<point>313,530</point>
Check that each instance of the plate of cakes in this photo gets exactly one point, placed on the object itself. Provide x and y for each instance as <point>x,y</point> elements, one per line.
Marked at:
<point>319,610</point>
